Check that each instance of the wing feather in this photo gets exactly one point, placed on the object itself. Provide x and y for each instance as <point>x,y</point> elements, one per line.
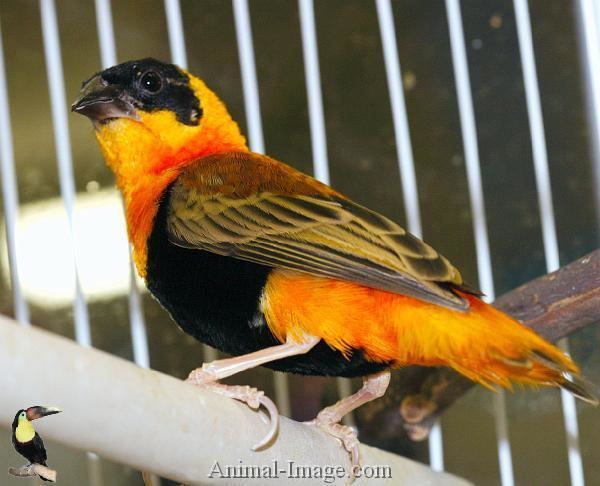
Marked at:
<point>321,233</point>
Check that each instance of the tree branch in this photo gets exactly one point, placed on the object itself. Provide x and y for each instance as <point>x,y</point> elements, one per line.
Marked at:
<point>554,305</point>
<point>30,470</point>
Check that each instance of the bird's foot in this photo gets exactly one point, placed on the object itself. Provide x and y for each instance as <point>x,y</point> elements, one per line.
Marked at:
<point>202,376</point>
<point>329,418</point>
<point>254,398</point>
<point>210,373</point>
<point>345,434</point>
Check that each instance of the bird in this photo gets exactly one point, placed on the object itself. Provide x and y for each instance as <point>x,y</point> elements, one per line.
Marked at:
<point>25,439</point>
<point>275,268</point>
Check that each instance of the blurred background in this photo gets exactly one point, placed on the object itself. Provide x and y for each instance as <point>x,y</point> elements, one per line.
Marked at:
<point>363,163</point>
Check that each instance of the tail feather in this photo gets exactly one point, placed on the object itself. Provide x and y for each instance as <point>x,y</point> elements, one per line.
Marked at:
<point>551,362</point>
<point>537,370</point>
<point>580,388</point>
<point>516,354</point>
<point>568,377</point>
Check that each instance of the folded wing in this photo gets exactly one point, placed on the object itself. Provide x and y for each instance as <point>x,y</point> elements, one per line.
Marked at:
<point>318,231</point>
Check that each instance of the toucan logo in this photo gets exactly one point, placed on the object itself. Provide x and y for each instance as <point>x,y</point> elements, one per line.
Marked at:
<point>30,445</point>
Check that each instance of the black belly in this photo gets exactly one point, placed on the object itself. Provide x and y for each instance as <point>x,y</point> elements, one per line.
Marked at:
<point>215,299</point>
<point>32,450</point>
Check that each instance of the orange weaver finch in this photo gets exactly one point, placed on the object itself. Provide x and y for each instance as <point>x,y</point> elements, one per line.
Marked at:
<point>277,269</point>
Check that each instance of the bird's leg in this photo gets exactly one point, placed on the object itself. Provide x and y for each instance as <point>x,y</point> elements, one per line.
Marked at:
<point>374,386</point>
<point>208,375</point>
<point>222,368</point>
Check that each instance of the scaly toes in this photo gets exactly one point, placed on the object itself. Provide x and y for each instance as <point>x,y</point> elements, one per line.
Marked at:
<point>201,376</point>
<point>345,434</point>
<point>251,396</point>
<point>254,399</point>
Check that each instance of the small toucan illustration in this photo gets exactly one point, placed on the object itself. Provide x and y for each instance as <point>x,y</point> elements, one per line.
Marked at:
<point>26,440</point>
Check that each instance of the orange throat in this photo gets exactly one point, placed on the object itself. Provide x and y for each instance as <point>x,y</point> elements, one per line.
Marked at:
<point>141,189</point>
<point>148,155</point>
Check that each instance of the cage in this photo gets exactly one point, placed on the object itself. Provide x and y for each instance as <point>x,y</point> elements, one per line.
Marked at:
<point>473,123</point>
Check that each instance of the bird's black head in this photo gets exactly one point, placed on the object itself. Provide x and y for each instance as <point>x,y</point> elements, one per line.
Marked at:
<point>146,84</point>
<point>152,117</point>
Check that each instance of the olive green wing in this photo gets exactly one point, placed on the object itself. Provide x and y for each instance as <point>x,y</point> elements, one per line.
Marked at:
<point>320,234</point>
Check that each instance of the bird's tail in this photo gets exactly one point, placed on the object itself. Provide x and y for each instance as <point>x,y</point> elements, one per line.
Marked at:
<point>513,353</point>
<point>569,381</point>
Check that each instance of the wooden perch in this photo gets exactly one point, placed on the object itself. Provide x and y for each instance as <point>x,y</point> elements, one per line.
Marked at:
<point>30,470</point>
<point>554,305</point>
<point>153,422</point>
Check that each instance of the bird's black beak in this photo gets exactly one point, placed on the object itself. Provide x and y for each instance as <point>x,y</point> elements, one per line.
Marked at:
<point>39,412</point>
<point>101,101</point>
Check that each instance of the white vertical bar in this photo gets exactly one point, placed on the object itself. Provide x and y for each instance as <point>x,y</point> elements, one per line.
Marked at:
<point>544,189</point>
<point>318,135</point>
<point>482,246</point>
<point>243,28</point>
<point>436,446</point>
<point>63,151</point>
<point>106,33</point>
<point>243,31</point>
<point>179,57</point>
<point>469,134</point>
<point>10,196</point>
<point>400,118</point>
<point>407,168</point>
<point>176,37</point>
<point>538,138</point>
<point>588,18</point>
<point>313,90</point>
<point>94,470</point>
<point>58,103</point>
<point>137,322</point>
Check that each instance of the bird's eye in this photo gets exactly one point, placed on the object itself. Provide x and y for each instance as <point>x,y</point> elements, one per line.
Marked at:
<point>151,82</point>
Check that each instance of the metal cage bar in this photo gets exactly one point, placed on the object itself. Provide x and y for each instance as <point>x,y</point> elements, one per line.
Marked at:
<point>137,322</point>
<point>482,245</point>
<point>106,33</point>
<point>176,36</point>
<point>313,90</point>
<point>245,44</point>
<point>243,28</point>
<point>310,52</point>
<point>401,127</point>
<point>588,19</point>
<point>179,57</point>
<point>10,195</point>
<point>544,189</point>
<point>58,103</point>
<point>406,165</point>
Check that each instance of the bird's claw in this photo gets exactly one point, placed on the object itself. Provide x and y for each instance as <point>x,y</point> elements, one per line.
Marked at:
<point>273,421</point>
<point>253,397</point>
<point>345,434</point>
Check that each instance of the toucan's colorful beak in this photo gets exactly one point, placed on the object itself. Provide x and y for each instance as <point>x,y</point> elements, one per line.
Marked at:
<point>39,412</point>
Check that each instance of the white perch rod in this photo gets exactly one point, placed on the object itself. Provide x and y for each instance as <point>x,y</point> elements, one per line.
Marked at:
<point>153,422</point>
